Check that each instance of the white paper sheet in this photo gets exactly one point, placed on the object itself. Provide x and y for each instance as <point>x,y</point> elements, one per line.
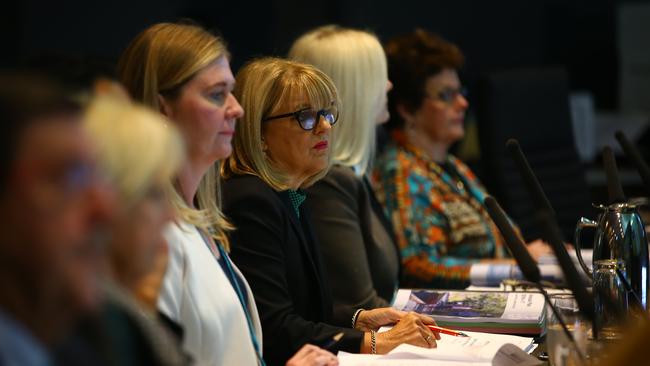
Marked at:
<point>478,349</point>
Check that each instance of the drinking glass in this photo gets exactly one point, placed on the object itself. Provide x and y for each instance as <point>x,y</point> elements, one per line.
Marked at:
<point>560,349</point>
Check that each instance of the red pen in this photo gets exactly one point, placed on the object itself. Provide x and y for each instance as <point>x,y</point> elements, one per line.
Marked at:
<point>452,332</point>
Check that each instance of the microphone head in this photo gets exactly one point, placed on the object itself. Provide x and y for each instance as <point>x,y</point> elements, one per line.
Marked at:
<point>614,187</point>
<point>571,275</point>
<point>526,263</point>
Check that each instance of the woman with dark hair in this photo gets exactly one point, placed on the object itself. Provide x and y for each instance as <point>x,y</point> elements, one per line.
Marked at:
<point>434,201</point>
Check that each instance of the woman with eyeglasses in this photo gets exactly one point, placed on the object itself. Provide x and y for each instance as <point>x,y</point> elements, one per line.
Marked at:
<point>183,71</point>
<point>355,238</point>
<point>282,145</point>
<point>435,201</point>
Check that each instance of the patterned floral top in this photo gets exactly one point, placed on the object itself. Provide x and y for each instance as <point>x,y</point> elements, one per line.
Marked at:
<point>437,211</point>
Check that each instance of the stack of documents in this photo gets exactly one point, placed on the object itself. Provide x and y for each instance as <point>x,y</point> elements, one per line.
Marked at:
<point>493,274</point>
<point>477,349</point>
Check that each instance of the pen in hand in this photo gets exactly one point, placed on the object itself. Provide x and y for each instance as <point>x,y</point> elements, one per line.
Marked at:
<point>334,340</point>
<point>455,333</point>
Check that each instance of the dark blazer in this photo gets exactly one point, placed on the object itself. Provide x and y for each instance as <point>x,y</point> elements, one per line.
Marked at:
<point>359,251</point>
<point>121,334</point>
<point>277,253</point>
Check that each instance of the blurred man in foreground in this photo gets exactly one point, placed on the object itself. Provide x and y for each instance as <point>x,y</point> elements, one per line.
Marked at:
<point>52,208</point>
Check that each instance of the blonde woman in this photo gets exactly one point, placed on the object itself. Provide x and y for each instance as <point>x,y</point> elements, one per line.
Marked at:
<point>282,145</point>
<point>183,71</point>
<point>355,238</point>
<point>140,176</point>
<point>118,130</point>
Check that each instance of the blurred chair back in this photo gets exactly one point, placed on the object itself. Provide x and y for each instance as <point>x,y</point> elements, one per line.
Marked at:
<point>532,106</point>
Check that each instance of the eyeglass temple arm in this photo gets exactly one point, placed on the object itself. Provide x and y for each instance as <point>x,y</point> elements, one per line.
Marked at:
<point>279,116</point>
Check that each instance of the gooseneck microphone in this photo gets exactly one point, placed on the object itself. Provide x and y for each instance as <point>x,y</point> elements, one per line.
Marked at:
<point>616,195</point>
<point>614,188</point>
<point>534,187</point>
<point>553,234</point>
<point>531,181</point>
<point>571,275</point>
<point>635,156</point>
<point>527,264</point>
<point>574,282</point>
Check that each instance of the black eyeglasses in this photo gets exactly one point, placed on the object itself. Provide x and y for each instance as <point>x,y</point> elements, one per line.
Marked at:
<point>308,117</point>
<point>449,95</point>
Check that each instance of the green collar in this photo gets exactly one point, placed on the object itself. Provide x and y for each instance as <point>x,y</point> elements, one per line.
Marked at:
<point>296,198</point>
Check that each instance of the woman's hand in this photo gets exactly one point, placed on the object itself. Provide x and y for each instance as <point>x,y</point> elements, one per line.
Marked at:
<point>310,355</point>
<point>411,328</point>
<point>538,248</point>
<point>373,319</point>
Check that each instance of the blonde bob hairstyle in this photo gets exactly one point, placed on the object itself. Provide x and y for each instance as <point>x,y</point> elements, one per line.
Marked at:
<point>159,62</point>
<point>118,130</point>
<point>263,85</point>
<point>355,60</point>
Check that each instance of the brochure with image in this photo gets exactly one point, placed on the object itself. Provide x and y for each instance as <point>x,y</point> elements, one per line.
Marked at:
<point>495,312</point>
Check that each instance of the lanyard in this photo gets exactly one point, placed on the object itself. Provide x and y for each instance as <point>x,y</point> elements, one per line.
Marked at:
<point>232,276</point>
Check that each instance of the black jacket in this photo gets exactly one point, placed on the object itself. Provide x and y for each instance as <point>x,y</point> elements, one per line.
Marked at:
<point>277,253</point>
<point>359,252</point>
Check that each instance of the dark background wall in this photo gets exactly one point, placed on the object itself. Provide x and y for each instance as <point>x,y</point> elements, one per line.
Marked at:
<point>579,34</point>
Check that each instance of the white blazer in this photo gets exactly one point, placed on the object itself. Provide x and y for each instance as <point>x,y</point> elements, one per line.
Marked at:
<point>197,294</point>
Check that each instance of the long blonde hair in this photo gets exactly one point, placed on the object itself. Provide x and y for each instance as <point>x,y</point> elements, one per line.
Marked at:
<point>355,60</point>
<point>262,85</point>
<point>161,60</point>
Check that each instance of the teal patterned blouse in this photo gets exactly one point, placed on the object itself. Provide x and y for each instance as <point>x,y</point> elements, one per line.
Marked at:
<point>437,211</point>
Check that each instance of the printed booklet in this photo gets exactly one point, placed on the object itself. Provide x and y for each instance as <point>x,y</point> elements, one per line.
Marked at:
<point>491,312</point>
